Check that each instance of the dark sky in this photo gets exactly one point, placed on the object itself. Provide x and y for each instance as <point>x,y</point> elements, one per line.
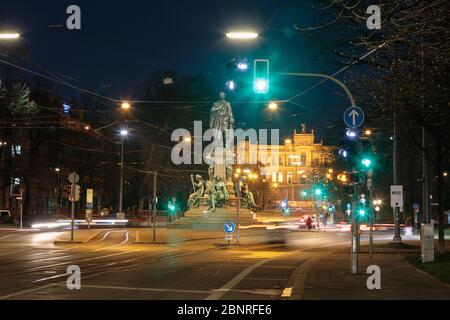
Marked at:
<point>122,42</point>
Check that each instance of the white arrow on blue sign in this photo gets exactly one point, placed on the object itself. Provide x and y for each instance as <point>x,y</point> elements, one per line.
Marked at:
<point>229,227</point>
<point>354,117</point>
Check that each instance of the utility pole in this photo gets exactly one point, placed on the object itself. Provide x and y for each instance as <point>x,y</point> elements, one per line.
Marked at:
<point>426,178</point>
<point>155,177</point>
<point>397,236</point>
<point>121,176</point>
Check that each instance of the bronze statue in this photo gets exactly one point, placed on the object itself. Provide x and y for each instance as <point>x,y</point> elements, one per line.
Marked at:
<point>247,199</point>
<point>199,191</point>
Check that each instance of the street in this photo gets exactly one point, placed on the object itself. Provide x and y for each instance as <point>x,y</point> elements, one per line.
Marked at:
<point>268,265</point>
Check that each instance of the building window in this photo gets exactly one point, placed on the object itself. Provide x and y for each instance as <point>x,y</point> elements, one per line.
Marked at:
<point>289,178</point>
<point>16,150</point>
<point>274,177</point>
<point>303,159</point>
<point>280,177</point>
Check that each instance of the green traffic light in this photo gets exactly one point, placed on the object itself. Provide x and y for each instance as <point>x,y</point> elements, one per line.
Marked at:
<point>318,192</point>
<point>362,212</point>
<point>305,194</point>
<point>366,162</point>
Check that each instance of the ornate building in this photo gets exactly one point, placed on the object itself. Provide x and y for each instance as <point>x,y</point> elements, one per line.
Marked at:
<point>290,172</point>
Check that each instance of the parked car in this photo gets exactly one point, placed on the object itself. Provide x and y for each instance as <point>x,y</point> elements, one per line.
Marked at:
<point>5,216</point>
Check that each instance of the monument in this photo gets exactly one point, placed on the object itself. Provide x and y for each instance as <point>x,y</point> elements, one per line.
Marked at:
<point>215,201</point>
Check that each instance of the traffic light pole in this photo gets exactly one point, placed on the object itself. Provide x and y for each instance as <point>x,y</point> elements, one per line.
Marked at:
<point>155,177</point>
<point>355,236</point>
<point>72,222</point>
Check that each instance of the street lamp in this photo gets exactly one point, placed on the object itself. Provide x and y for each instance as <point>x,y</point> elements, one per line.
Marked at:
<point>9,36</point>
<point>123,134</point>
<point>242,35</point>
<point>273,106</point>
<point>125,106</point>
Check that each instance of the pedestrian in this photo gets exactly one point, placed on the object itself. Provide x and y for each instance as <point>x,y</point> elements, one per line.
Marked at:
<point>309,223</point>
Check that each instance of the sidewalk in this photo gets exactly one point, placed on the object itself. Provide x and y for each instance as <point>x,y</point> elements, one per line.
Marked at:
<point>330,279</point>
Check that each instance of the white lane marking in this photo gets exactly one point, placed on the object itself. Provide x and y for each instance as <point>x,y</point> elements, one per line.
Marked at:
<point>9,236</point>
<point>233,282</point>
<point>19,293</point>
<point>145,289</point>
<point>82,260</point>
<point>115,245</point>
<point>106,235</point>
<point>10,253</point>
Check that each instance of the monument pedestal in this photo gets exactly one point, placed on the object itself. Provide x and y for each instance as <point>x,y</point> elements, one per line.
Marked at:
<point>202,219</point>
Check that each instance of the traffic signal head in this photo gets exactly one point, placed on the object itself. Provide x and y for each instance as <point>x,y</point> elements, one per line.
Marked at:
<point>318,192</point>
<point>366,162</point>
<point>261,77</point>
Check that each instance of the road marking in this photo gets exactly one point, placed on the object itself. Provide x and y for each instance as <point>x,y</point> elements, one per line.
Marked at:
<point>9,236</point>
<point>20,293</point>
<point>144,289</point>
<point>233,282</point>
<point>14,252</point>
<point>82,260</point>
<point>115,245</point>
<point>287,293</point>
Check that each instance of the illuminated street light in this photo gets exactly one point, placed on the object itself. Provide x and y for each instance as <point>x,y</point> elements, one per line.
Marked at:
<point>126,106</point>
<point>288,141</point>
<point>123,132</point>
<point>87,127</point>
<point>57,170</point>
<point>242,35</point>
<point>273,106</point>
<point>187,139</point>
<point>368,132</point>
<point>9,36</point>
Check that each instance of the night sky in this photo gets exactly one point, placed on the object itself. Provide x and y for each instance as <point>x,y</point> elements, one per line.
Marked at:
<point>122,42</point>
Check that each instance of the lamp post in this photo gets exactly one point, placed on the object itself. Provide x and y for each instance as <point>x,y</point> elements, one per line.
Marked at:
<point>123,135</point>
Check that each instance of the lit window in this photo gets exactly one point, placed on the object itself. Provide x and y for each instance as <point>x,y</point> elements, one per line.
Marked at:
<point>303,158</point>
<point>280,177</point>
<point>16,150</point>
<point>289,178</point>
<point>274,177</point>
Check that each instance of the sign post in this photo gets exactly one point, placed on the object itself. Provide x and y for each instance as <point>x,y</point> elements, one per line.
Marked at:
<point>229,228</point>
<point>397,203</point>
<point>74,178</point>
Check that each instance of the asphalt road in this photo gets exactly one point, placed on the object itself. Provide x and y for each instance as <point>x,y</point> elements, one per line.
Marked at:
<point>265,266</point>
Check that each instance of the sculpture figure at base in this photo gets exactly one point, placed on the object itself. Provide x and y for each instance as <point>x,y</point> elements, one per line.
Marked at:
<point>247,199</point>
<point>199,191</point>
<point>217,193</point>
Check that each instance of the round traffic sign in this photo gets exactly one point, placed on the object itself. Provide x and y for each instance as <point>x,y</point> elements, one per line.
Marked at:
<point>229,227</point>
<point>74,178</point>
<point>354,117</point>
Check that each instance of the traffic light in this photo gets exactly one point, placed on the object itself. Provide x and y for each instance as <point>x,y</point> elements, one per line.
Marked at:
<point>304,193</point>
<point>261,76</point>
<point>366,162</point>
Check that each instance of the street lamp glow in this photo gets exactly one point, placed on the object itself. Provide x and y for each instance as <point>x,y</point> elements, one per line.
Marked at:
<point>123,132</point>
<point>242,35</point>
<point>9,36</point>
<point>187,139</point>
<point>273,106</point>
<point>126,105</point>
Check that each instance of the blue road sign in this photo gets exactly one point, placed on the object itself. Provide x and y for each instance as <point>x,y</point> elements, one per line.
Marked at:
<point>354,117</point>
<point>229,227</point>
